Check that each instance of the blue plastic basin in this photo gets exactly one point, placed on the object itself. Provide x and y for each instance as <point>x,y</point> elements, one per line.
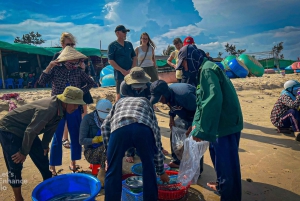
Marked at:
<point>238,68</point>
<point>67,184</point>
<point>106,71</point>
<point>108,81</point>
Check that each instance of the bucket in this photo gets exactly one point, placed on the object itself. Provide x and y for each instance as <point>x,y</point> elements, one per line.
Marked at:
<point>67,184</point>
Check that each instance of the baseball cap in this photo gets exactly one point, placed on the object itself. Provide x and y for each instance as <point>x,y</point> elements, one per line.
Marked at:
<point>121,28</point>
<point>182,54</point>
<point>103,107</point>
<point>188,41</point>
<point>157,89</point>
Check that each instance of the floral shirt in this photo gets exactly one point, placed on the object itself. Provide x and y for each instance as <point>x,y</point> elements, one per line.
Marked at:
<point>282,105</point>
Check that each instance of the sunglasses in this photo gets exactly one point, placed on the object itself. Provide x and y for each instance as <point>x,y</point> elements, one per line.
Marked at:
<point>70,44</point>
<point>123,31</point>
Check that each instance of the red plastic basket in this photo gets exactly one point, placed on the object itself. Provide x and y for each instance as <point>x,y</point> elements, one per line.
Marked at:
<point>172,195</point>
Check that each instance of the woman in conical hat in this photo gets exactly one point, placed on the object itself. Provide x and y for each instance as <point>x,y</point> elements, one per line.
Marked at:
<point>63,72</point>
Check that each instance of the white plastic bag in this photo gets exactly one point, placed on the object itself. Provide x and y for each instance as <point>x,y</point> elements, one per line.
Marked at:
<point>178,137</point>
<point>189,169</point>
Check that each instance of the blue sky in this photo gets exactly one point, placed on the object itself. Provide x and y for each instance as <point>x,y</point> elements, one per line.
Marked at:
<point>255,25</point>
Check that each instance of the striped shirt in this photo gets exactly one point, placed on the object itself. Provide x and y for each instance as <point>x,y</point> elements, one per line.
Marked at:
<point>131,110</point>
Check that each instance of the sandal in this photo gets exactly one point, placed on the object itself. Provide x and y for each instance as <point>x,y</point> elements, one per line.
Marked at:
<point>66,143</point>
<point>54,173</point>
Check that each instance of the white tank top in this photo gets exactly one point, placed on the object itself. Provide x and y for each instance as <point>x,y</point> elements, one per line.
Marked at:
<point>148,60</point>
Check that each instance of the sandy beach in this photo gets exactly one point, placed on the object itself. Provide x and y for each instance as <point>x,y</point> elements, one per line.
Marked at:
<point>270,161</point>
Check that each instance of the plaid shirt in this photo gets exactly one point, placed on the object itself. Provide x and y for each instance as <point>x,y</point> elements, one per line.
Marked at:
<point>131,110</point>
<point>61,77</point>
<point>283,104</point>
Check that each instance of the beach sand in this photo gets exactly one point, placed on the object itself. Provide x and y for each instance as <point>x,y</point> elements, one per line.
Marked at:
<point>270,161</point>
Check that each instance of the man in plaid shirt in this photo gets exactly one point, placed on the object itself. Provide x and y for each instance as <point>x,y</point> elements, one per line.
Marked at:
<point>132,123</point>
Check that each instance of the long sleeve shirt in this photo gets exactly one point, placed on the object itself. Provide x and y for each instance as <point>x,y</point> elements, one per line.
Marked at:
<point>182,101</point>
<point>134,110</point>
<point>30,120</point>
<point>282,105</point>
<point>61,77</point>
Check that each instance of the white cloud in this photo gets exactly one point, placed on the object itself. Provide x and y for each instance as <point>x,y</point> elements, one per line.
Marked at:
<point>190,30</point>
<point>51,31</point>
<point>2,15</point>
<point>111,9</point>
<point>80,16</point>
<point>42,17</point>
<point>231,32</point>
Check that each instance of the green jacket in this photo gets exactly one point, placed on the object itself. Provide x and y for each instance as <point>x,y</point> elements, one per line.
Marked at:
<point>218,110</point>
<point>32,119</point>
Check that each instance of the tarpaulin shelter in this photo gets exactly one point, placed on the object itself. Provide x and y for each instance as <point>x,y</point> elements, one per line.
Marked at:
<point>11,54</point>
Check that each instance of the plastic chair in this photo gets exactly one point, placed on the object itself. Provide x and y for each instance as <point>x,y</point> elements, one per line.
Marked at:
<point>20,83</point>
<point>10,82</point>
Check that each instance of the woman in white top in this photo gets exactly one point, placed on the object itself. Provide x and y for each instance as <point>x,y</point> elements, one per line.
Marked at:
<point>146,56</point>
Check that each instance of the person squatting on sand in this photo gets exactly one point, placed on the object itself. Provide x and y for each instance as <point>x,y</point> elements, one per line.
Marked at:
<point>219,120</point>
<point>19,130</point>
<point>90,136</point>
<point>64,72</point>
<point>132,123</point>
<point>285,113</point>
<point>121,56</point>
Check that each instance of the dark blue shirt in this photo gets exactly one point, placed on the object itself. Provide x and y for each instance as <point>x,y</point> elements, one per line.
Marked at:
<point>127,91</point>
<point>182,101</point>
<point>122,55</point>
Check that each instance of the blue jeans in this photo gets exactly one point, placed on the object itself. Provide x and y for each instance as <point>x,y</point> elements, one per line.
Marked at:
<point>225,157</point>
<point>291,119</point>
<point>11,144</point>
<point>73,121</point>
<point>140,137</point>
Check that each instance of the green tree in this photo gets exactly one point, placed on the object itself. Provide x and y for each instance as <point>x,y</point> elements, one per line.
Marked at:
<point>220,54</point>
<point>231,49</point>
<point>167,52</point>
<point>277,50</point>
<point>30,39</point>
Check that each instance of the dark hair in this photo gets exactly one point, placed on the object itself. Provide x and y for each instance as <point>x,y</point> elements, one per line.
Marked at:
<point>150,42</point>
<point>176,41</point>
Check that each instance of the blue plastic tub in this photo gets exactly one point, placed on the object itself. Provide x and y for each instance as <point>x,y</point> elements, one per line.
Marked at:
<point>108,81</point>
<point>106,71</point>
<point>238,68</point>
<point>230,74</point>
<point>127,195</point>
<point>67,184</point>
<point>220,65</point>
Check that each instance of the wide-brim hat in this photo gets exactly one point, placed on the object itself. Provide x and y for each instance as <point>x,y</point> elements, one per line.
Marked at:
<point>69,53</point>
<point>72,95</point>
<point>137,75</point>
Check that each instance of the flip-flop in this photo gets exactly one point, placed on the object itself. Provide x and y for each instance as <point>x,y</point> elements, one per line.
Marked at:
<point>213,185</point>
<point>66,144</point>
<point>77,167</point>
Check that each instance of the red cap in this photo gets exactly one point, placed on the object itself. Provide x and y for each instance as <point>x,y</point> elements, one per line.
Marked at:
<point>188,41</point>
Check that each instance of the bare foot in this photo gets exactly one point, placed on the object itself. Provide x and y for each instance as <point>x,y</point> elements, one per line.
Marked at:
<point>165,152</point>
<point>173,165</point>
<point>53,171</point>
<point>129,159</point>
<point>212,185</point>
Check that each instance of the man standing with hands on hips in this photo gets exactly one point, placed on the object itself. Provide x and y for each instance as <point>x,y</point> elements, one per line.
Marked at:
<point>121,56</point>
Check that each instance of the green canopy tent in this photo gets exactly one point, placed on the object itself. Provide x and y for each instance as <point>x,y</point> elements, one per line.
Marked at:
<point>30,49</point>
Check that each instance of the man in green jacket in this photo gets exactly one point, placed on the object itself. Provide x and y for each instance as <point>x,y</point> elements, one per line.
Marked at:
<point>218,119</point>
<point>19,130</point>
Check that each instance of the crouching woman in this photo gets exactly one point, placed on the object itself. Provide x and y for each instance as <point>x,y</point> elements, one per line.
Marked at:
<point>90,136</point>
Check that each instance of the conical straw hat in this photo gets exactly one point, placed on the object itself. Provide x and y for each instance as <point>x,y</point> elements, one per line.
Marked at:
<point>69,54</point>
